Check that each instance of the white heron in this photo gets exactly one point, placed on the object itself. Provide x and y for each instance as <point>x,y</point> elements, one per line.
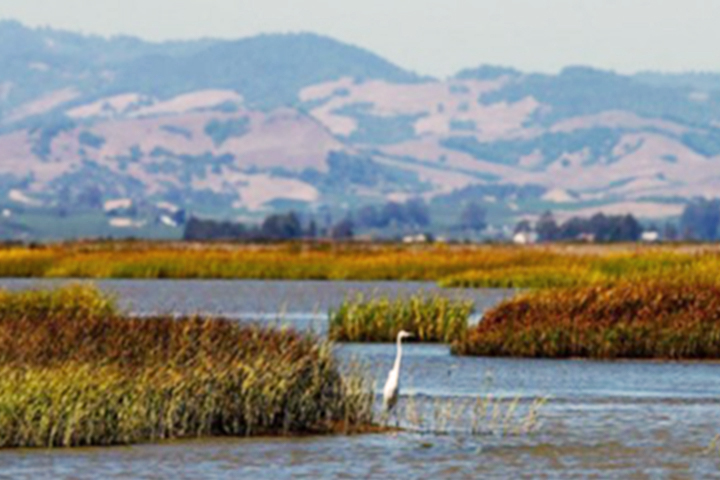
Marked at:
<point>392,385</point>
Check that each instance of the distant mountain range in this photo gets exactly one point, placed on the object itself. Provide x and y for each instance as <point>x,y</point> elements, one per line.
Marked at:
<point>115,136</point>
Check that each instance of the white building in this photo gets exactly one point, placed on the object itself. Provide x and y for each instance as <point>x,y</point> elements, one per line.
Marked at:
<point>117,206</point>
<point>525,238</point>
<point>650,236</point>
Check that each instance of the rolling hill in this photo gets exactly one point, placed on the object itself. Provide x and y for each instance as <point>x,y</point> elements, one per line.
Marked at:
<point>116,136</point>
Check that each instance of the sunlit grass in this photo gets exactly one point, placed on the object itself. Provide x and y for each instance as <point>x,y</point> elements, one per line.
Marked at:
<point>451,265</point>
<point>484,413</point>
<point>481,415</point>
<point>573,270</point>
<point>73,371</point>
<point>542,276</point>
<point>430,318</point>
<point>670,319</point>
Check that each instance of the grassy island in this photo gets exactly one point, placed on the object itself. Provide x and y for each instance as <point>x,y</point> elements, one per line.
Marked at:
<point>658,320</point>
<point>432,319</point>
<point>74,372</point>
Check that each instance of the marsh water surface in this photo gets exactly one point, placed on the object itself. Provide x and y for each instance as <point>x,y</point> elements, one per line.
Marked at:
<point>602,419</point>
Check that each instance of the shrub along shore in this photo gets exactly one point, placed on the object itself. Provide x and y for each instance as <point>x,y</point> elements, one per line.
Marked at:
<point>76,372</point>
<point>451,265</point>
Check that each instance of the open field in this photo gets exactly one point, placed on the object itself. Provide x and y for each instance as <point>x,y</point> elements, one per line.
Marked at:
<point>451,265</point>
<point>74,372</point>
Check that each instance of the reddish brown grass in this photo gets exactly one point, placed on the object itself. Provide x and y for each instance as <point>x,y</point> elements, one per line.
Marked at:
<point>629,320</point>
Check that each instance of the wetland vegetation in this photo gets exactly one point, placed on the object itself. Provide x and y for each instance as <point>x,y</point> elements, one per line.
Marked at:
<point>656,319</point>
<point>451,265</point>
<point>74,371</point>
<point>431,318</point>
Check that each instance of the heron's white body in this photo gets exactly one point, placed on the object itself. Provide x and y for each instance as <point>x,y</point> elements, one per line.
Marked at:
<point>392,385</point>
<point>390,392</point>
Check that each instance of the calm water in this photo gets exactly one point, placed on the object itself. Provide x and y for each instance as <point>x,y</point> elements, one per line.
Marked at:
<point>602,419</point>
<point>303,304</point>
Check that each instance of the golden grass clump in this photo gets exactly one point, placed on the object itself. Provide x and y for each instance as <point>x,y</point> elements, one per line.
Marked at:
<point>25,262</point>
<point>572,270</point>
<point>542,276</point>
<point>430,318</point>
<point>284,261</point>
<point>452,265</point>
<point>655,319</point>
<point>74,372</point>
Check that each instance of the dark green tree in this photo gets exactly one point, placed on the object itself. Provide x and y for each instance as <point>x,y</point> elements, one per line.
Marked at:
<point>312,230</point>
<point>417,212</point>
<point>202,230</point>
<point>281,227</point>
<point>523,226</point>
<point>547,228</point>
<point>473,217</point>
<point>343,230</point>
<point>700,219</point>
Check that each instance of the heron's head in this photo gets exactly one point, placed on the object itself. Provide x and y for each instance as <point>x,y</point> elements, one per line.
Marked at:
<point>404,334</point>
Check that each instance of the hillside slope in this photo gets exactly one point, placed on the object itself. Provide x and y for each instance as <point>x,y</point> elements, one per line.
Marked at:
<point>116,136</point>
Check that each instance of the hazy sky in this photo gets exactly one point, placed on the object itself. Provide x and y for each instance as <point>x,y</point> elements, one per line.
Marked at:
<point>429,36</point>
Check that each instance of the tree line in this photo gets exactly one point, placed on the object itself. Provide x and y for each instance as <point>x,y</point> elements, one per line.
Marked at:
<point>275,227</point>
<point>598,228</point>
<point>700,221</point>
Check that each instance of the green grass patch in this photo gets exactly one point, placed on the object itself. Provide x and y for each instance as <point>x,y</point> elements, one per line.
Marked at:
<point>429,318</point>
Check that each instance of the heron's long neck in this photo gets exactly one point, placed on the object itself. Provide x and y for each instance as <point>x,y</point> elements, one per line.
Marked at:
<point>398,358</point>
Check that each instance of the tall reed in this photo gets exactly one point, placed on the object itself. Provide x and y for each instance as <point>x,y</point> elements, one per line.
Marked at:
<point>75,372</point>
<point>430,318</point>
<point>656,319</point>
<point>451,265</point>
<point>542,276</point>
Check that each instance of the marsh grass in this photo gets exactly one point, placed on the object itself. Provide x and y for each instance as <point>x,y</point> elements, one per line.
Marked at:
<point>451,265</point>
<point>653,319</point>
<point>543,276</point>
<point>24,262</point>
<point>714,446</point>
<point>573,270</point>
<point>431,318</point>
<point>74,372</point>
<point>482,415</point>
<point>289,261</point>
<point>476,266</point>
